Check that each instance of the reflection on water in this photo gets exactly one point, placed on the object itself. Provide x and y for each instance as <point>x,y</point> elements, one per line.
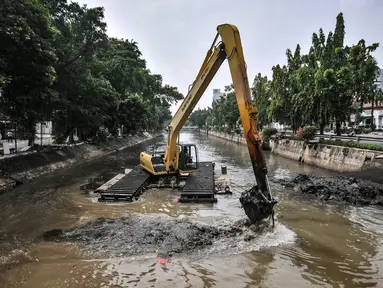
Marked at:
<point>313,244</point>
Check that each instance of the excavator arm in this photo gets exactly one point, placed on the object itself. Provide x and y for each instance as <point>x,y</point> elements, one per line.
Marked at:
<point>258,202</point>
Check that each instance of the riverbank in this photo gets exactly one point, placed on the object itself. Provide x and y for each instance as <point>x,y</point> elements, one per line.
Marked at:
<point>236,138</point>
<point>353,162</point>
<point>27,167</point>
<point>338,158</point>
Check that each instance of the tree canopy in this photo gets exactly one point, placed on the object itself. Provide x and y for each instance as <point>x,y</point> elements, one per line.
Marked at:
<point>57,63</point>
<point>328,84</point>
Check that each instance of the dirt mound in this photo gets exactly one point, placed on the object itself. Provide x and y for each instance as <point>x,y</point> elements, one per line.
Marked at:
<point>92,184</point>
<point>138,235</point>
<point>339,188</point>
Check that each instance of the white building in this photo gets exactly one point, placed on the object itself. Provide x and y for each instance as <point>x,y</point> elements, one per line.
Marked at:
<point>217,95</point>
<point>45,130</point>
<point>379,83</point>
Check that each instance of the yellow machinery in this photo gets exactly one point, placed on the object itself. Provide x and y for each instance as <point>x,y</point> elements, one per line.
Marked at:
<point>257,200</point>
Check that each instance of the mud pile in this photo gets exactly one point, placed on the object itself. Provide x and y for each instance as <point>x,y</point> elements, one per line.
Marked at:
<point>93,183</point>
<point>339,188</point>
<point>150,234</point>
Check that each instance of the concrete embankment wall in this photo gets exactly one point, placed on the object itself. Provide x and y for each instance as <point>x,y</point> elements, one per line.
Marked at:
<point>240,139</point>
<point>26,167</point>
<point>337,158</point>
<point>350,161</point>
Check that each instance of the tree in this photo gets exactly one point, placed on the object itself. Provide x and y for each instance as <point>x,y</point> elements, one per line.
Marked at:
<point>281,104</point>
<point>365,71</point>
<point>261,97</point>
<point>229,108</point>
<point>27,60</point>
<point>199,117</point>
<point>102,82</point>
<point>322,85</point>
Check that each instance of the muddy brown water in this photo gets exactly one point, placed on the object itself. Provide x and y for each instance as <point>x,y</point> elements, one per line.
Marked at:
<point>312,245</point>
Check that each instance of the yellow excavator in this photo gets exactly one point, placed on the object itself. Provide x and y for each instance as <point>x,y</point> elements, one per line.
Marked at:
<point>177,158</point>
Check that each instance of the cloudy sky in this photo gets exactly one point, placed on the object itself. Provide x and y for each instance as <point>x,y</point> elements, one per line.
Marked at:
<point>174,35</point>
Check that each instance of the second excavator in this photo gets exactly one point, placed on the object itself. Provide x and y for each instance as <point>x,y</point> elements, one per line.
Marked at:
<point>177,159</point>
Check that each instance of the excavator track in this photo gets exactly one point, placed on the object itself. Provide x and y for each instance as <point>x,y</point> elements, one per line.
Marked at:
<point>200,186</point>
<point>128,188</point>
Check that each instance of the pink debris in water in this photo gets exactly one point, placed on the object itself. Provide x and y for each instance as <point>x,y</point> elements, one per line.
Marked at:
<point>161,260</point>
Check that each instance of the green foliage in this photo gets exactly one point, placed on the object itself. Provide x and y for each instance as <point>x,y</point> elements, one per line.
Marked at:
<point>27,58</point>
<point>268,132</point>
<point>199,117</point>
<point>223,112</point>
<point>324,84</point>
<point>57,63</point>
<point>227,130</point>
<point>358,145</point>
<point>327,129</point>
<point>261,94</point>
<point>307,133</point>
<point>367,130</point>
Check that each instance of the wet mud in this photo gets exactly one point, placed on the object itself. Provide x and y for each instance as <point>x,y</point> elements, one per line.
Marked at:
<point>138,235</point>
<point>256,206</point>
<point>340,188</point>
<point>92,184</point>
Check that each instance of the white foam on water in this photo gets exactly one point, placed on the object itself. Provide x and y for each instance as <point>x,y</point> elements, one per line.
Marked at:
<point>16,256</point>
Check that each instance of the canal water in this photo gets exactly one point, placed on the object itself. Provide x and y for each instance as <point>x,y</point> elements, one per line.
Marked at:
<point>312,245</point>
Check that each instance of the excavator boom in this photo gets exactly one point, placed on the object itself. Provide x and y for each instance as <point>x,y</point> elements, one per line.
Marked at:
<point>257,202</point>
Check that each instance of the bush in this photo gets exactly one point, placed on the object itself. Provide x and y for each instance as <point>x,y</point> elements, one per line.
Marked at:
<point>352,144</point>
<point>267,133</point>
<point>227,130</point>
<point>59,139</point>
<point>327,129</point>
<point>307,133</point>
<point>367,130</point>
<point>238,130</point>
<point>101,136</point>
<point>358,130</point>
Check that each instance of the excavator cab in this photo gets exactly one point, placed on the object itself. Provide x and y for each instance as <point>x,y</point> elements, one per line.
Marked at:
<point>188,158</point>
<point>154,163</point>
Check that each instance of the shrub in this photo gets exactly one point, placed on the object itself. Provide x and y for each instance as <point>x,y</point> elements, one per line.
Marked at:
<point>101,136</point>
<point>238,130</point>
<point>367,130</point>
<point>227,130</point>
<point>307,133</point>
<point>59,139</point>
<point>267,132</point>
<point>352,144</point>
<point>358,130</point>
<point>327,129</point>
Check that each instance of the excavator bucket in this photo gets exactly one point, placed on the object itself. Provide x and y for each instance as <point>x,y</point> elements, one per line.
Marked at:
<point>256,206</point>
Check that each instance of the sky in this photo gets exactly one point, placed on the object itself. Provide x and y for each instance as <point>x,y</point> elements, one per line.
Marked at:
<point>174,35</point>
